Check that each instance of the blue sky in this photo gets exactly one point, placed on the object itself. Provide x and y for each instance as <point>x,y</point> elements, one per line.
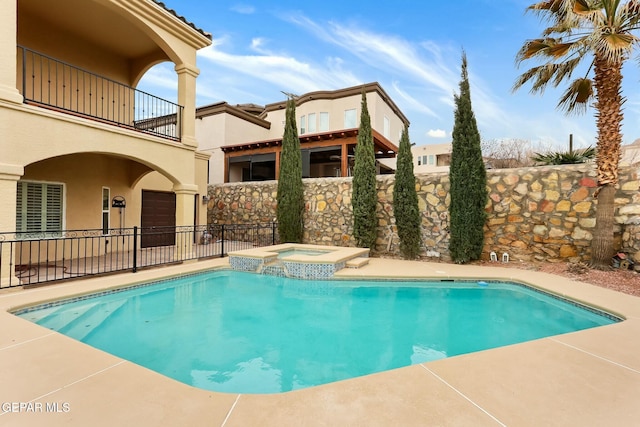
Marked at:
<point>412,48</point>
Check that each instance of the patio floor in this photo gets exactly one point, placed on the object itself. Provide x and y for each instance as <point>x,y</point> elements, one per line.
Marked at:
<point>586,378</point>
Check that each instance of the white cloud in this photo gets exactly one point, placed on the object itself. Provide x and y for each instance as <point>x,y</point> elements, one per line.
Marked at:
<point>257,44</point>
<point>436,133</point>
<point>412,102</point>
<point>161,76</point>
<point>284,72</point>
<point>243,9</point>
<point>432,71</point>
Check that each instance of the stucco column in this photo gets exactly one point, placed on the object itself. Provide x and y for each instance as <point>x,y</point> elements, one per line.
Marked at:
<point>185,203</point>
<point>187,98</point>
<point>9,175</point>
<point>8,58</point>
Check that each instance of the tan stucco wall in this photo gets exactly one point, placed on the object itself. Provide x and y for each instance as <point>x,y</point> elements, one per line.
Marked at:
<point>215,131</point>
<point>118,40</point>
<point>377,107</point>
<point>83,176</point>
<point>36,134</point>
<point>429,150</point>
<point>38,35</point>
<point>424,150</point>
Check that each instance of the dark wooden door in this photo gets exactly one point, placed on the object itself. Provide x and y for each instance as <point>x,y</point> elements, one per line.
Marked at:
<point>158,220</point>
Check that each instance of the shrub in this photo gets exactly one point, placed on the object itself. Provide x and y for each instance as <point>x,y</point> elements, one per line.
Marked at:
<point>468,179</point>
<point>405,201</point>
<point>365,197</point>
<point>290,196</point>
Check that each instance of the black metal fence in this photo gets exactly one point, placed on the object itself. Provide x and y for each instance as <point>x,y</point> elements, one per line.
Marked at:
<point>55,84</point>
<point>33,258</point>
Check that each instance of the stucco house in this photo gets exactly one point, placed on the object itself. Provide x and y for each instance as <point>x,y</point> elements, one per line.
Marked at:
<point>79,142</point>
<point>245,140</point>
<point>431,157</point>
<point>630,153</point>
<point>428,158</point>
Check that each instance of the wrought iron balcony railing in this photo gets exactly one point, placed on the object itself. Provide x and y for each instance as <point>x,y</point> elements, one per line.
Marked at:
<point>54,84</point>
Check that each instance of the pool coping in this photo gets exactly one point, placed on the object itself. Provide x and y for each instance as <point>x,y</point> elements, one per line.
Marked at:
<point>541,382</point>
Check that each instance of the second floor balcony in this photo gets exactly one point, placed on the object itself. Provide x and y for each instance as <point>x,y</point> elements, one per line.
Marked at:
<point>50,83</point>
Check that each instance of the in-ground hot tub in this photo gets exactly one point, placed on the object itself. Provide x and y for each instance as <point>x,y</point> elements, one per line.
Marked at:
<point>298,260</point>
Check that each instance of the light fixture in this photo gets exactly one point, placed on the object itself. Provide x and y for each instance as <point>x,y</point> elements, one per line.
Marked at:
<point>205,199</point>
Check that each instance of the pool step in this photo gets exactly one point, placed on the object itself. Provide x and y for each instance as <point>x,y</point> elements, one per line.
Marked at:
<point>357,262</point>
<point>83,325</point>
<point>58,318</point>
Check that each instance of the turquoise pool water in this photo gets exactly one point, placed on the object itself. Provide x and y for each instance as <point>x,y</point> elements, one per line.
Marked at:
<point>241,332</point>
<point>311,252</point>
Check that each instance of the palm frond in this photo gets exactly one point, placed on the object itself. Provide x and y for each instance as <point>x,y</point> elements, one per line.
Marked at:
<point>559,50</point>
<point>575,99</point>
<point>616,47</point>
<point>565,70</point>
<point>564,157</point>
<point>629,15</point>
<point>549,5</point>
<point>583,7</point>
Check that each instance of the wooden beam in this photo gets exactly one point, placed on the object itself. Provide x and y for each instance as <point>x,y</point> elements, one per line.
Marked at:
<point>344,160</point>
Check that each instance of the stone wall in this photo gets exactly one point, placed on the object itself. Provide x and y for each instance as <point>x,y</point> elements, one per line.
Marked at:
<point>541,213</point>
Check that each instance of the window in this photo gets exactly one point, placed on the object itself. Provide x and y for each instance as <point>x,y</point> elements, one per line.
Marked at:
<point>387,127</point>
<point>312,122</point>
<point>106,198</point>
<point>324,122</point>
<point>424,160</point>
<point>419,162</point>
<point>302,126</point>
<point>39,207</point>
<point>431,159</point>
<point>350,119</point>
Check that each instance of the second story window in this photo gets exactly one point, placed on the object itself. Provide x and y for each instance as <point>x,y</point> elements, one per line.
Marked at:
<point>387,127</point>
<point>302,125</point>
<point>312,122</point>
<point>350,119</point>
<point>323,126</point>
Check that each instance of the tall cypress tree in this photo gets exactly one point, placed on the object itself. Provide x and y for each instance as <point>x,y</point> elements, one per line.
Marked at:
<point>468,179</point>
<point>405,201</point>
<point>365,197</point>
<point>290,189</point>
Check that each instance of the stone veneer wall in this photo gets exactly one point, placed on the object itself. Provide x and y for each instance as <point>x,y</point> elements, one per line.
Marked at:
<point>541,213</point>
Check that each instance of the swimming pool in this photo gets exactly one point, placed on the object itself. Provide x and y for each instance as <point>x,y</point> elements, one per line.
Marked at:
<point>245,333</point>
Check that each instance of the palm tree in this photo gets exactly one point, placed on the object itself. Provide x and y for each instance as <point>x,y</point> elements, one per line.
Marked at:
<point>598,36</point>
<point>571,157</point>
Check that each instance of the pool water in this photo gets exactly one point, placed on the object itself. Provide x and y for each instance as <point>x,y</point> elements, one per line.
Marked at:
<point>311,252</point>
<point>238,332</point>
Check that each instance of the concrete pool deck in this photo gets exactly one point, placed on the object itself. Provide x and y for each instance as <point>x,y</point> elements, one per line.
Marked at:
<point>585,378</point>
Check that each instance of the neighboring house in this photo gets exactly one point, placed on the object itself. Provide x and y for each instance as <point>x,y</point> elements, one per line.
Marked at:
<point>76,133</point>
<point>245,140</point>
<point>429,158</point>
<point>630,153</point>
